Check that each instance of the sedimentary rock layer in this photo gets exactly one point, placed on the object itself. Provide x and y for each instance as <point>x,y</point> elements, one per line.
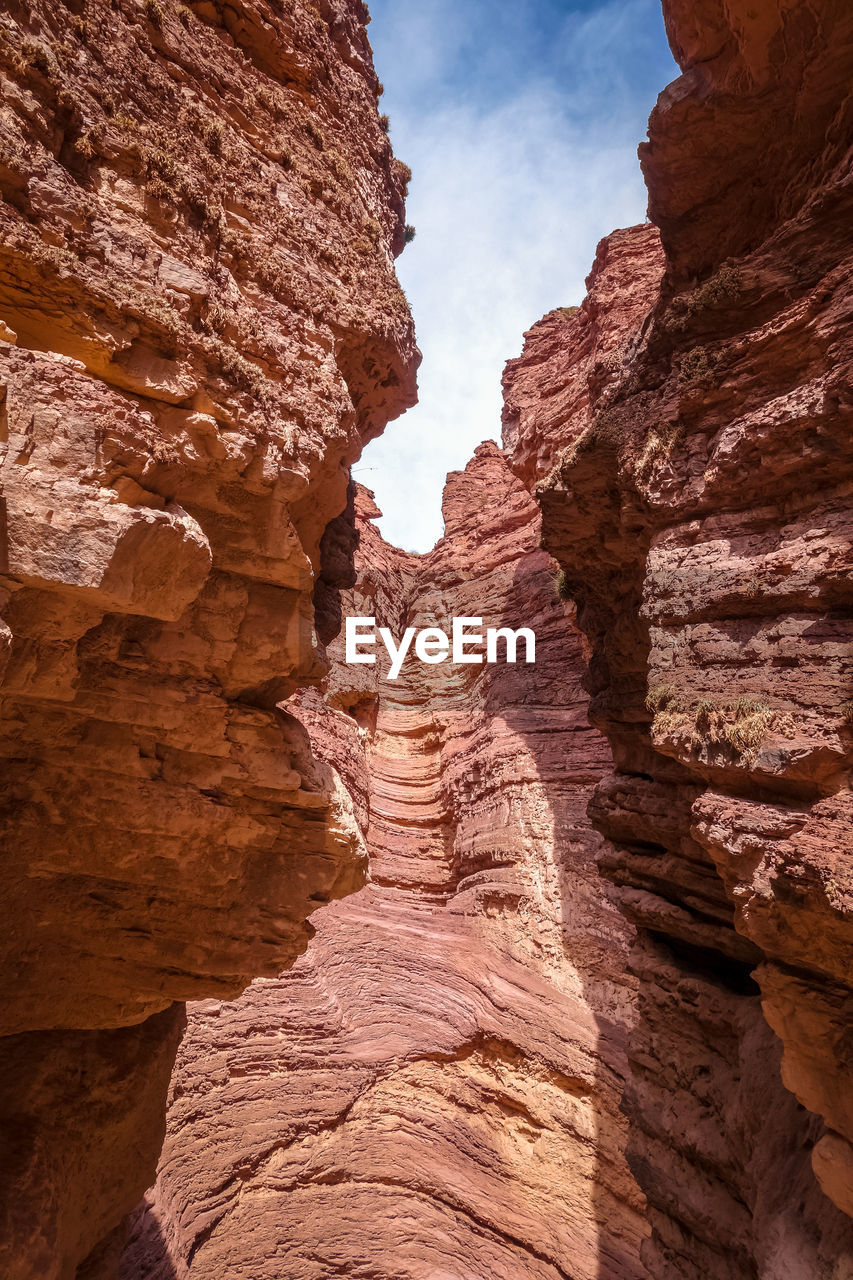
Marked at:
<point>697,492</point>
<point>200,328</point>
<point>480,1068</point>
<point>687,434</point>
<point>433,1090</point>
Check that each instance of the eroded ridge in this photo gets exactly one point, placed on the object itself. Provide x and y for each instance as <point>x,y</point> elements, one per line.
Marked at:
<point>481,1066</point>
<point>695,485</point>
<point>199,328</point>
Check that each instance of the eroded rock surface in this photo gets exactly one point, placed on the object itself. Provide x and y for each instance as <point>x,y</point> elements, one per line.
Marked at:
<point>433,1090</point>
<point>687,435</point>
<point>480,1068</point>
<point>697,494</point>
<point>200,329</point>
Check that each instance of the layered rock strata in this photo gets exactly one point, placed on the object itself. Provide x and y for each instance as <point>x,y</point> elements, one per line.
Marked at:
<point>200,329</point>
<point>667,430</point>
<point>695,482</point>
<point>433,1089</point>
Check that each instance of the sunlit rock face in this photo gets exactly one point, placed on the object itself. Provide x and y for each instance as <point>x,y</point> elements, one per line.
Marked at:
<point>433,1089</point>
<point>697,495</point>
<point>481,1068</point>
<point>200,329</point>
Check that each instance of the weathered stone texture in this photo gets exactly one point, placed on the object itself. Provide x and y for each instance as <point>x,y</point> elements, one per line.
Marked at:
<point>699,502</point>
<point>480,1068</point>
<point>200,329</point>
<point>434,1088</point>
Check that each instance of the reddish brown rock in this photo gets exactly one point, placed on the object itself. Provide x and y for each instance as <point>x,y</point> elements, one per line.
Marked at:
<point>570,353</point>
<point>433,1090</point>
<point>459,1078</point>
<point>200,328</point>
<point>699,502</point>
<point>662,430</point>
<point>85,1107</point>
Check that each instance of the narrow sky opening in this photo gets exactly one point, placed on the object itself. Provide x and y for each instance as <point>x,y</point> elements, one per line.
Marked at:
<point>520,120</point>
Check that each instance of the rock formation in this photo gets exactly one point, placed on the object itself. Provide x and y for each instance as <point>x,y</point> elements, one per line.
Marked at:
<point>687,435</point>
<point>696,492</point>
<point>434,1088</point>
<point>200,329</point>
<point>492,1061</point>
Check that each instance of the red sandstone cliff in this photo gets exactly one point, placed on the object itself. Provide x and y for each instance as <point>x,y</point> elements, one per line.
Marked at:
<point>200,329</point>
<point>399,1082</point>
<point>434,1088</point>
<point>478,1068</point>
<point>697,494</point>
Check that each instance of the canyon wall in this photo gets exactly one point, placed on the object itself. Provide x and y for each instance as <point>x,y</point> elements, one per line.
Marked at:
<point>492,1061</point>
<point>478,1069</point>
<point>695,483</point>
<point>433,1089</point>
<point>200,327</point>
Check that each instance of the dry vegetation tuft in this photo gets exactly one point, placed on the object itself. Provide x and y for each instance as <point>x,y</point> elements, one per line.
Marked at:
<point>722,287</point>
<point>739,724</point>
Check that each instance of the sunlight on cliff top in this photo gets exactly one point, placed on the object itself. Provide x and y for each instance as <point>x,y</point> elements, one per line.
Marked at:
<point>522,138</point>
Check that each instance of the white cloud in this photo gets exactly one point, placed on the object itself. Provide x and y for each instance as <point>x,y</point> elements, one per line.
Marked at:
<point>509,197</point>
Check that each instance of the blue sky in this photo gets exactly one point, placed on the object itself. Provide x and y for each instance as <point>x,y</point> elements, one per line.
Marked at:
<point>520,120</point>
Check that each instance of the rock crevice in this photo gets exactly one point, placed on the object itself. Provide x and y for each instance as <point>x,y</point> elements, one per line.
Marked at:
<point>448,1055</point>
<point>590,1014</point>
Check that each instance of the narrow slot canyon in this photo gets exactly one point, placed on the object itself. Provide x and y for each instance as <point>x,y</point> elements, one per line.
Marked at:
<point>434,1087</point>
<point>492,971</point>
